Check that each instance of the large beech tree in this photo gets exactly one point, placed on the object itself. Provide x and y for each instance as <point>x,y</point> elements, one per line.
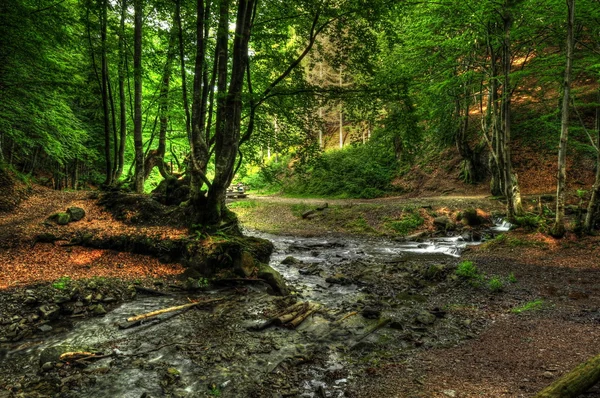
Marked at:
<point>235,100</point>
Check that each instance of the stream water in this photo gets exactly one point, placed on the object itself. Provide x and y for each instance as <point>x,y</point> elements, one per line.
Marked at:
<point>216,351</point>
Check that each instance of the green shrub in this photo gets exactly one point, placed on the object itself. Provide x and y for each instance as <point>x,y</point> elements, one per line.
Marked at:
<point>495,284</point>
<point>407,223</point>
<point>512,278</point>
<point>62,283</point>
<point>530,306</point>
<point>467,270</point>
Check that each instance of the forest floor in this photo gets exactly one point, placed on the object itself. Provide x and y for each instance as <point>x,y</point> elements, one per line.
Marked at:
<point>506,342</point>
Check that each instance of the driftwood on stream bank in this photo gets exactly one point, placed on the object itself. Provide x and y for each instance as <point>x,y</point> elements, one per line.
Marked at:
<point>576,382</point>
<point>135,320</point>
<point>290,317</point>
<point>311,213</point>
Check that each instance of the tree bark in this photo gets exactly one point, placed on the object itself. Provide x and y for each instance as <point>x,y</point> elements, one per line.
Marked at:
<point>574,383</point>
<point>122,100</point>
<point>559,226</point>
<point>591,216</point>
<point>104,79</point>
<point>511,185</point>
<point>137,121</point>
<point>156,157</point>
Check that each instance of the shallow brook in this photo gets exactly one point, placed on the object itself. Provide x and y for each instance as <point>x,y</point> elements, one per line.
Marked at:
<point>372,292</point>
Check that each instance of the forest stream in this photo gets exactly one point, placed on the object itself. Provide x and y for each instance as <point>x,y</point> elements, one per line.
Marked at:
<point>378,299</point>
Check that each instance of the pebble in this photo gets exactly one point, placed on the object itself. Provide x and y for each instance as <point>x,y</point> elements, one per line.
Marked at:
<point>449,393</point>
<point>548,375</point>
<point>46,367</point>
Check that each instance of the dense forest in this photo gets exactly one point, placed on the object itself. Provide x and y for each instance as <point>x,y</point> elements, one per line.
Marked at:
<point>105,93</point>
<point>332,198</point>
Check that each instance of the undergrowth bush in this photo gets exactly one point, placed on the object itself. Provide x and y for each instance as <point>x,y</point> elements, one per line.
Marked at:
<point>354,172</point>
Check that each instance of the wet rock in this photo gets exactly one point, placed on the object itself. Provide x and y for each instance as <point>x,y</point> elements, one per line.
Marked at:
<point>30,300</point>
<point>52,354</point>
<point>289,260</point>
<point>425,318</point>
<point>442,222</point>
<point>45,328</point>
<point>371,313</point>
<point>61,299</point>
<point>49,311</point>
<point>76,213</point>
<point>313,269</point>
<point>47,366</point>
<point>339,280</point>
<point>98,309</point>
<point>274,279</point>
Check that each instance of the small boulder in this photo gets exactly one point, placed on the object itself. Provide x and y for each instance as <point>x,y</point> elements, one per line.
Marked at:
<point>49,311</point>
<point>442,222</point>
<point>62,218</point>
<point>370,313</point>
<point>274,279</point>
<point>289,260</point>
<point>425,318</point>
<point>76,213</point>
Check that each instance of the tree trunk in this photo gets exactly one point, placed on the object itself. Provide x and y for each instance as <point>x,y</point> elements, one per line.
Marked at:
<point>122,100</point>
<point>227,134</point>
<point>591,216</point>
<point>156,158</point>
<point>511,185</point>
<point>137,121</point>
<point>559,226</point>
<point>574,383</point>
<point>104,78</point>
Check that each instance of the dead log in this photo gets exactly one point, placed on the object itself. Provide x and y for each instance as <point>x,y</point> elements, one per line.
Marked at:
<point>382,322</point>
<point>74,356</point>
<point>291,317</point>
<point>171,309</point>
<point>309,213</point>
<point>302,317</point>
<point>574,383</point>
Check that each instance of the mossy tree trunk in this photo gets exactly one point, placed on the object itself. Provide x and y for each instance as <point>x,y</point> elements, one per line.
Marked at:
<point>574,383</point>
<point>559,225</point>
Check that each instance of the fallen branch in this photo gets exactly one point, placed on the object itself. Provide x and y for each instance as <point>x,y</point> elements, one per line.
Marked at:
<point>574,383</point>
<point>346,317</point>
<point>171,309</point>
<point>291,317</point>
<point>382,322</point>
<point>76,355</point>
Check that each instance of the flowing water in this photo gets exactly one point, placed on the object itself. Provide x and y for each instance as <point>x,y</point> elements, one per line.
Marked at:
<point>217,350</point>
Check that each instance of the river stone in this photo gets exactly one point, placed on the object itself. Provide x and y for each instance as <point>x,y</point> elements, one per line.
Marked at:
<point>371,313</point>
<point>50,311</point>
<point>274,279</point>
<point>425,317</point>
<point>442,222</point>
<point>290,260</point>
<point>76,213</point>
<point>471,218</point>
<point>47,366</point>
<point>98,309</point>
<point>62,218</point>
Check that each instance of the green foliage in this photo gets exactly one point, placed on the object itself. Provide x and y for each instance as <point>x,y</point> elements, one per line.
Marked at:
<point>407,223</point>
<point>530,221</point>
<point>530,306</point>
<point>495,284</point>
<point>353,172</point>
<point>512,278</point>
<point>467,271</point>
<point>62,283</point>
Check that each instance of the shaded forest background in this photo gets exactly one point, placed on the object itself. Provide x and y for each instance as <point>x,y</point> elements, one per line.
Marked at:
<point>338,99</point>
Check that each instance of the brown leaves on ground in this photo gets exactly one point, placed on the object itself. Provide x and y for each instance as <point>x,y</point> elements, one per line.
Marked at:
<point>22,264</point>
